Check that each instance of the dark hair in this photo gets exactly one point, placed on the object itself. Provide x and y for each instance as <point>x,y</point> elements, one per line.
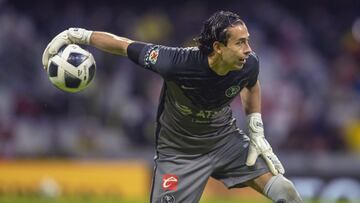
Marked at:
<point>214,29</point>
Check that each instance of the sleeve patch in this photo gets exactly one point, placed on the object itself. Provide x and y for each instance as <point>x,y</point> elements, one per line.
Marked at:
<point>151,56</point>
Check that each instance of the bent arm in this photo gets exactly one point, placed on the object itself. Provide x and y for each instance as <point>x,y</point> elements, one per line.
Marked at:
<point>251,99</point>
<point>110,43</point>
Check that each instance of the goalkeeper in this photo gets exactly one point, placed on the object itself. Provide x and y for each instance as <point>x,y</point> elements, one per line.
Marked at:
<point>196,134</point>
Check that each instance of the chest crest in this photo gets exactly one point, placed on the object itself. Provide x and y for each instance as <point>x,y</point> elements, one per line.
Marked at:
<point>232,91</point>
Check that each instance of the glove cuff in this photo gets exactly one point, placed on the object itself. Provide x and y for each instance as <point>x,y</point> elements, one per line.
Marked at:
<point>255,123</point>
<point>87,35</point>
<point>80,35</point>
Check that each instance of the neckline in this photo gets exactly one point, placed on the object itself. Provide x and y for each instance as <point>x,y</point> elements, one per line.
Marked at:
<point>208,68</point>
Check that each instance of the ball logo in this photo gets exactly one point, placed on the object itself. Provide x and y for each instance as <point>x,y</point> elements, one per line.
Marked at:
<point>168,199</point>
<point>170,182</point>
<point>79,72</point>
<point>231,91</point>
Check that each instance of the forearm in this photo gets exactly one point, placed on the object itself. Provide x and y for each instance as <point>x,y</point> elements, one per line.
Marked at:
<point>251,99</point>
<point>110,43</point>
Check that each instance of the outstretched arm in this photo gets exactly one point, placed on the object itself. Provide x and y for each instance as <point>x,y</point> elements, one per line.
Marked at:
<point>251,100</point>
<point>156,58</point>
<point>102,40</point>
<point>110,43</point>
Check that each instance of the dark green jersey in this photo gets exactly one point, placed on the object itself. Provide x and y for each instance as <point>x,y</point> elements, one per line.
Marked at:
<point>194,113</point>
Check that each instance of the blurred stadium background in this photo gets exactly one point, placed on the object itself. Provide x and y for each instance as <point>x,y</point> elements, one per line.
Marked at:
<point>97,145</point>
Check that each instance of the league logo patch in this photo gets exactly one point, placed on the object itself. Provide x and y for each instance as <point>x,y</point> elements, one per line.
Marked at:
<point>170,182</point>
<point>231,91</point>
<point>151,56</point>
<point>168,199</point>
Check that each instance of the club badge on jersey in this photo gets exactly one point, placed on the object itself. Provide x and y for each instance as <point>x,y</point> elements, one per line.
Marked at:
<point>233,90</point>
<point>168,198</point>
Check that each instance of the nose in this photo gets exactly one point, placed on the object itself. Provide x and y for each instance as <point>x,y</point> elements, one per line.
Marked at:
<point>247,49</point>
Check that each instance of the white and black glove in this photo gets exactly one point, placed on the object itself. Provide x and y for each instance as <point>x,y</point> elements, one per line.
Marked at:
<point>70,36</point>
<point>260,146</point>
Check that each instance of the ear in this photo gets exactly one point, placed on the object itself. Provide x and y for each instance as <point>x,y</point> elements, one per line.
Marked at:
<point>217,47</point>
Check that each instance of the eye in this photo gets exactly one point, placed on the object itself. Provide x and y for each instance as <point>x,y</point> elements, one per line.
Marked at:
<point>240,42</point>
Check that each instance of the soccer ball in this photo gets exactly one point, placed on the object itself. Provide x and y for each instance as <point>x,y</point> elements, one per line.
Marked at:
<point>72,69</point>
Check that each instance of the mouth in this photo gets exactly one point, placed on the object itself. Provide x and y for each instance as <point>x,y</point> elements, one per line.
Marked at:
<point>242,61</point>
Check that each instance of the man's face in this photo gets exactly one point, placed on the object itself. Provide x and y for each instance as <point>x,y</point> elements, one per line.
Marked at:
<point>236,51</point>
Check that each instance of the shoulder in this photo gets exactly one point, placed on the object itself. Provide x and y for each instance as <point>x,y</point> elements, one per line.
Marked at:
<point>182,53</point>
<point>169,61</point>
<point>252,64</point>
<point>253,58</point>
<point>181,57</point>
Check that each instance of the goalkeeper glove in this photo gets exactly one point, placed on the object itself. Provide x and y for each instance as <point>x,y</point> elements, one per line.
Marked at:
<point>72,35</point>
<point>260,146</point>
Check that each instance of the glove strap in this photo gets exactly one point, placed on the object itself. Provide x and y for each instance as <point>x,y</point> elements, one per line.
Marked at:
<point>255,123</point>
<point>80,35</point>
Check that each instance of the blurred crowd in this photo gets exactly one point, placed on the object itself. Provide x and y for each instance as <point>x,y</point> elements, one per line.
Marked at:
<point>309,71</point>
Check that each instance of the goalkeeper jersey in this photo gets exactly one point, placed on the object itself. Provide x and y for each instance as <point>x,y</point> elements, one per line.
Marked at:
<point>194,115</point>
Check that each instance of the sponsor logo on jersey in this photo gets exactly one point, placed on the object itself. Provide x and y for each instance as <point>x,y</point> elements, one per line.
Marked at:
<point>183,109</point>
<point>232,91</point>
<point>170,182</point>
<point>187,88</point>
<point>168,198</point>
